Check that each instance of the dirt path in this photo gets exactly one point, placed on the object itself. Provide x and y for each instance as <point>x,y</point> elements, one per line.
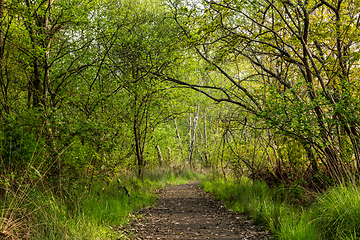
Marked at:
<point>186,212</point>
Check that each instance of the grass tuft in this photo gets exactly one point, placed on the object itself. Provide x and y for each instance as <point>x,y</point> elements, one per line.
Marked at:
<point>338,212</point>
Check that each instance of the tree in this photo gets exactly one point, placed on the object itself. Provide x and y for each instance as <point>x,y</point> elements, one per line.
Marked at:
<point>283,66</point>
<point>38,58</point>
<point>143,48</point>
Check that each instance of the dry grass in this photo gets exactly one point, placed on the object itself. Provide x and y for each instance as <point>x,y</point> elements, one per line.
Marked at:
<point>13,228</point>
<point>14,215</point>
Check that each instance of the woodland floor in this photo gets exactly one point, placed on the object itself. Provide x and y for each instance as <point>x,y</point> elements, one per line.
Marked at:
<point>187,212</point>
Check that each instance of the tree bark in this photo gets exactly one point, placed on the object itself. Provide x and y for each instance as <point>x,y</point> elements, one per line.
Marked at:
<point>161,160</point>
<point>206,153</point>
<point>193,139</point>
<point>180,141</point>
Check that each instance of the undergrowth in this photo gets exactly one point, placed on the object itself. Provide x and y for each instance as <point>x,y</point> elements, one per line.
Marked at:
<point>333,215</point>
<point>94,212</point>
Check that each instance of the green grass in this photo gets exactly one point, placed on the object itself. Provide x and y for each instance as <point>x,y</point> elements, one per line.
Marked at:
<point>164,176</point>
<point>338,212</point>
<point>266,207</point>
<point>82,213</point>
<point>333,215</point>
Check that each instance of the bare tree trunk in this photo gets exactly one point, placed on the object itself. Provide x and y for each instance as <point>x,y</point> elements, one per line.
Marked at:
<point>206,157</point>
<point>190,138</point>
<point>35,84</point>
<point>180,141</point>
<point>159,155</point>
<point>1,26</point>
<point>332,159</point>
<point>137,138</point>
<point>139,157</point>
<point>193,139</point>
<point>47,45</point>
<point>222,153</point>
<point>311,158</point>
<point>354,138</point>
<point>140,129</point>
<point>3,85</point>
<point>169,155</point>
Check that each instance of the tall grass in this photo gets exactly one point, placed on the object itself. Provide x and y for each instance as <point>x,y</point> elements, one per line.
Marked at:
<point>270,207</point>
<point>13,217</point>
<point>333,215</point>
<point>93,213</point>
<point>167,176</point>
<point>338,212</point>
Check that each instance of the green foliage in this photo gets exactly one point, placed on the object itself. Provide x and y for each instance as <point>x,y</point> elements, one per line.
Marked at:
<point>86,98</point>
<point>289,76</point>
<point>21,144</point>
<point>337,212</point>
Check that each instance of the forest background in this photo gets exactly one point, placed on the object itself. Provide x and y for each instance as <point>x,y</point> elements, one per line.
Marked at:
<point>101,93</point>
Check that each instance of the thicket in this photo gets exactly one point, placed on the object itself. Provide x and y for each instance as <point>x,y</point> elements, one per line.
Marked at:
<point>83,119</point>
<point>94,91</point>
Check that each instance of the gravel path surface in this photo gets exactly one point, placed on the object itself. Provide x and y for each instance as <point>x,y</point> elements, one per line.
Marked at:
<point>187,212</point>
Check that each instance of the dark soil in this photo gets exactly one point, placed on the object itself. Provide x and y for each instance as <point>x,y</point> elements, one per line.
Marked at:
<point>187,212</point>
